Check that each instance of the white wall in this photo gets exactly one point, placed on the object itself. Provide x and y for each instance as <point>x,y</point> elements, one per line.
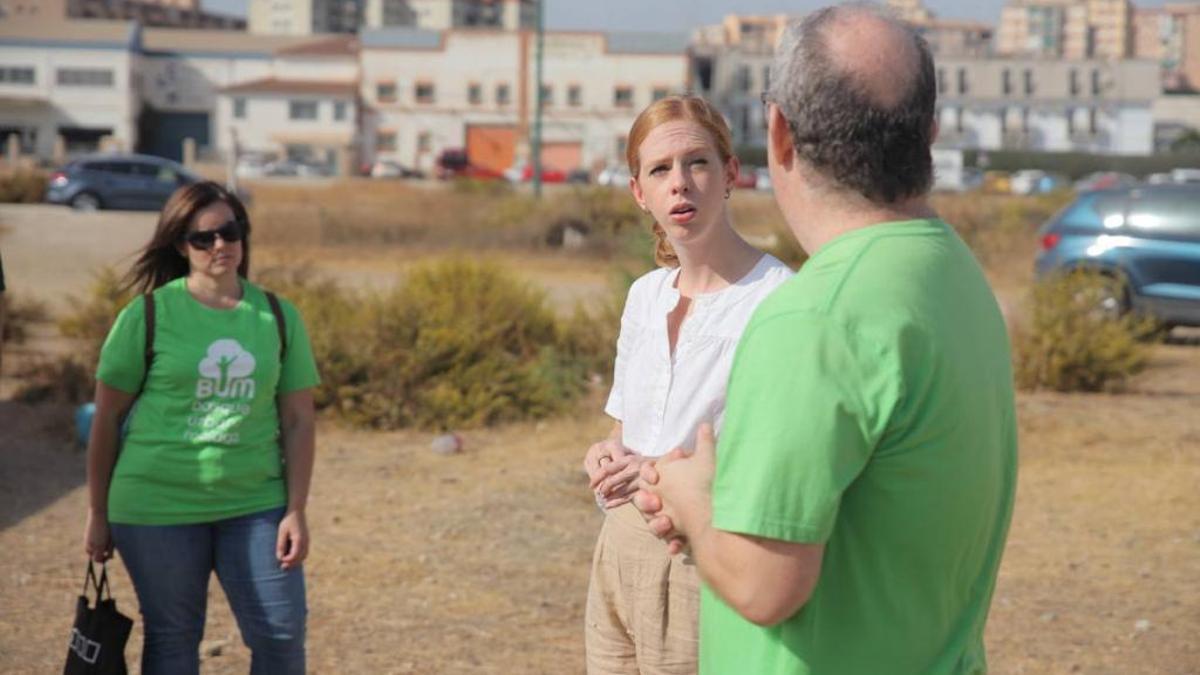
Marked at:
<point>490,58</point>
<point>267,125</point>
<point>114,107</point>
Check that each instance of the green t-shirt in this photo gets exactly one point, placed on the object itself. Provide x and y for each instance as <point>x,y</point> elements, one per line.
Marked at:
<point>203,436</point>
<point>871,409</point>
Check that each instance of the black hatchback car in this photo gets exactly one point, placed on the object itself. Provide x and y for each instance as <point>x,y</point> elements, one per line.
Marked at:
<point>117,181</point>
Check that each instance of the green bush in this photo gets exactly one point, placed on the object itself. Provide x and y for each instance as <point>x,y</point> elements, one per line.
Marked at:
<point>22,186</point>
<point>1072,342</point>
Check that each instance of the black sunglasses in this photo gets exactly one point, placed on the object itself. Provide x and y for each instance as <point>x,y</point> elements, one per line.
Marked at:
<point>204,240</point>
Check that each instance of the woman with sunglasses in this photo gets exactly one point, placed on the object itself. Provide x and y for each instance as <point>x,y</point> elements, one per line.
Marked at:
<point>213,469</point>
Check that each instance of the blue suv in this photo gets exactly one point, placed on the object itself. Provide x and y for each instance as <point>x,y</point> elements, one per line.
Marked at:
<point>111,181</point>
<point>1144,239</point>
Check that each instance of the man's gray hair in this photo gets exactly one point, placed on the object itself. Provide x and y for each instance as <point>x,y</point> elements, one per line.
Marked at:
<point>877,150</point>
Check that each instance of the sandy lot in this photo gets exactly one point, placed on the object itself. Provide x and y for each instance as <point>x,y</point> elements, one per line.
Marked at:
<point>477,563</point>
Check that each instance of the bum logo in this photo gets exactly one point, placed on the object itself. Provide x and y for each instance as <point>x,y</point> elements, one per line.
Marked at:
<point>226,372</point>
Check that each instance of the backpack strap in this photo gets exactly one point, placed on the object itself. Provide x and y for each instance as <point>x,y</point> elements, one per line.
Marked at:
<point>149,353</point>
<point>280,324</point>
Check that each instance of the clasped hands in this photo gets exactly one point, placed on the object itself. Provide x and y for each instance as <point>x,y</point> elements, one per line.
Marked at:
<point>672,492</point>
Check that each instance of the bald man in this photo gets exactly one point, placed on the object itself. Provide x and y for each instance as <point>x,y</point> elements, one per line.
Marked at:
<point>852,518</point>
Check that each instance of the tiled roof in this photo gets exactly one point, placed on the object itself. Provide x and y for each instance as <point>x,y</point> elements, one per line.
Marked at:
<point>272,85</point>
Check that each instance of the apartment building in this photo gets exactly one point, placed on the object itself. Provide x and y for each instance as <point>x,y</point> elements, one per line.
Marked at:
<point>1170,35</point>
<point>1070,29</point>
<point>428,91</point>
<point>304,17</point>
<point>1095,106</point>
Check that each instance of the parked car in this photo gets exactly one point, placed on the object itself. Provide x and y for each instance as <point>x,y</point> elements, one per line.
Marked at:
<point>614,175</point>
<point>386,168</point>
<point>747,178</point>
<point>117,181</point>
<point>455,164</point>
<point>523,173</point>
<point>1144,239</point>
<point>996,182</point>
<point>1025,182</point>
<point>762,179</point>
<point>1104,180</point>
<point>1185,175</point>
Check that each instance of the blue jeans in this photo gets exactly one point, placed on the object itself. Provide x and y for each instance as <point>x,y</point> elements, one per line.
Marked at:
<point>170,566</point>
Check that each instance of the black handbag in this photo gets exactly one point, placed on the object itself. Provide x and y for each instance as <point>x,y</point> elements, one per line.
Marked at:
<point>100,633</point>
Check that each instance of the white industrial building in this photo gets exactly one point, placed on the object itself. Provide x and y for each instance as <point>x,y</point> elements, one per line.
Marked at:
<point>1092,106</point>
<point>427,91</point>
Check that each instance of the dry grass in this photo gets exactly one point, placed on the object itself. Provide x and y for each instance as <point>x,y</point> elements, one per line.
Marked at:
<point>477,563</point>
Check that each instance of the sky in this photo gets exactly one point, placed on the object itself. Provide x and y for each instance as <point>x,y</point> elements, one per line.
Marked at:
<point>684,15</point>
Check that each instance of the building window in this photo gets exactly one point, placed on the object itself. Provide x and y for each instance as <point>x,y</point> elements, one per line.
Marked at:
<point>622,141</point>
<point>744,82</point>
<point>424,92</point>
<point>239,108</point>
<point>1028,82</point>
<point>962,80</point>
<point>385,92</point>
<point>386,141</point>
<point>503,94</point>
<point>16,75</point>
<point>574,96</point>
<point>958,120</point>
<point>1074,82</point>
<point>1006,82</point>
<point>302,110</point>
<point>623,97</point>
<point>1095,83</point>
<point>1003,121</point>
<point>1071,120</point>
<point>85,77</point>
<point>474,93</point>
<point>659,93</point>
<point>766,78</point>
<point>547,95</point>
<point>1093,124</point>
<point>339,110</point>
<point>424,141</point>
<point>941,80</point>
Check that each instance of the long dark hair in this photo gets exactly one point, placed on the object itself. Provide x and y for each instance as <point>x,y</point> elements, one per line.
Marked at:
<point>160,261</point>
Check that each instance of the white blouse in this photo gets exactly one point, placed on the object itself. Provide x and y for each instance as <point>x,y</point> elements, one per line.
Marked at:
<point>661,401</point>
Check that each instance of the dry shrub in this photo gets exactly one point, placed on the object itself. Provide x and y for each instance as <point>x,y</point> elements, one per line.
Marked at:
<point>89,318</point>
<point>757,217</point>
<point>1069,343</point>
<point>61,379</point>
<point>70,378</point>
<point>22,186</point>
<point>20,315</point>
<point>1000,229</point>
<point>458,344</point>
<point>471,214</point>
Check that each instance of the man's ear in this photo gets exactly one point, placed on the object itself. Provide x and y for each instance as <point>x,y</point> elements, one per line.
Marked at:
<point>779,138</point>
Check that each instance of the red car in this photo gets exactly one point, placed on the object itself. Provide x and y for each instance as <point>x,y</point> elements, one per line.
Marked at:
<point>456,164</point>
<point>548,175</point>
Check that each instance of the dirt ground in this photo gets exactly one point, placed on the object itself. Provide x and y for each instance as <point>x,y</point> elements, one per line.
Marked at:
<point>477,563</point>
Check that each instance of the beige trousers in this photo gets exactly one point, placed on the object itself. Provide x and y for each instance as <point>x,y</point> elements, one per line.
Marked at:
<point>643,606</point>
